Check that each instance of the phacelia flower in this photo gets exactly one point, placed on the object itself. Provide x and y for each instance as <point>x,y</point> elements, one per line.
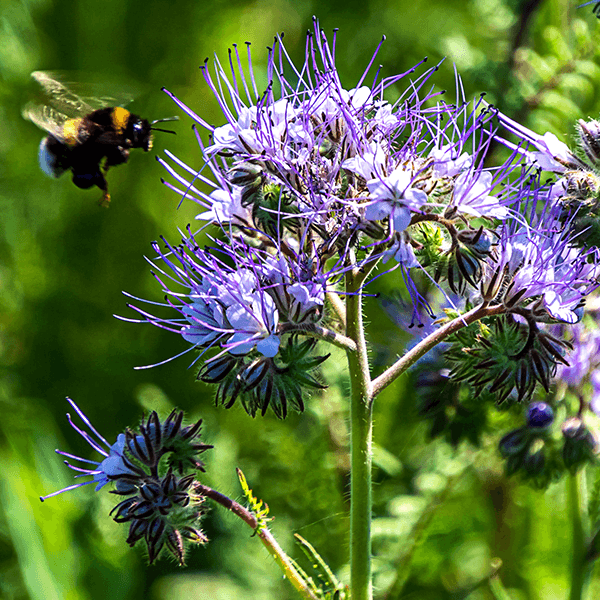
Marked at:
<point>111,468</point>
<point>307,150</point>
<point>539,265</point>
<point>578,186</point>
<point>472,195</point>
<point>584,359</point>
<point>242,302</point>
<point>548,153</point>
<point>310,179</point>
<point>220,305</point>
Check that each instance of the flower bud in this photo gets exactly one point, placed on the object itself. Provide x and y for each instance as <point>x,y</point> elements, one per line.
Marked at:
<point>579,445</point>
<point>478,241</point>
<point>514,442</point>
<point>247,174</point>
<point>589,135</point>
<point>575,429</point>
<point>581,187</point>
<point>513,464</point>
<point>534,462</point>
<point>539,415</point>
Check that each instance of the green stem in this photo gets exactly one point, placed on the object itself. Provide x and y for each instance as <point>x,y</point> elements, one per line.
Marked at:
<point>361,421</point>
<point>266,537</point>
<point>495,583</point>
<point>580,566</point>
<point>338,306</point>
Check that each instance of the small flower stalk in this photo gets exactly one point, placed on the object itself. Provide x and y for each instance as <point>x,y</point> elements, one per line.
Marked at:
<point>154,469</point>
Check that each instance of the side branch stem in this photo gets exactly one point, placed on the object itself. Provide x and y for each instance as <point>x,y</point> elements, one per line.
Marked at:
<point>413,355</point>
<point>338,306</point>
<point>281,558</point>
<point>322,333</point>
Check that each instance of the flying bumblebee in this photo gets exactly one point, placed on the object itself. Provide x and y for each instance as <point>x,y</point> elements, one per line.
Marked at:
<point>85,135</point>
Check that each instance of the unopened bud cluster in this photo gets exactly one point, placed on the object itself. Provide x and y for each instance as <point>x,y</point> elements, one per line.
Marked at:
<point>540,454</point>
<point>508,356</point>
<point>160,503</point>
<point>154,469</point>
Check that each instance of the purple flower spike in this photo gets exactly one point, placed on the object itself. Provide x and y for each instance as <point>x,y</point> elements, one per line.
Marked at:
<point>542,264</point>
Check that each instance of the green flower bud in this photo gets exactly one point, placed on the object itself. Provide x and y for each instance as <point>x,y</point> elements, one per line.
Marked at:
<point>514,442</point>
<point>589,135</point>
<point>579,445</point>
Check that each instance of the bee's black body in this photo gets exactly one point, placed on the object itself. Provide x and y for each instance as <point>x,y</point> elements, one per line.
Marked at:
<point>89,145</point>
<point>85,136</point>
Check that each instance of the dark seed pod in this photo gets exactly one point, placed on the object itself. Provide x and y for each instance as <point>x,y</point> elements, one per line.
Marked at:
<point>579,443</point>
<point>534,462</point>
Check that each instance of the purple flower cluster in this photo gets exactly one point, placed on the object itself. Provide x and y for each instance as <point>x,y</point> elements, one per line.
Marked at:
<point>584,360</point>
<point>309,180</point>
<point>341,157</point>
<point>538,264</point>
<point>238,306</point>
<point>305,171</point>
<point>110,468</point>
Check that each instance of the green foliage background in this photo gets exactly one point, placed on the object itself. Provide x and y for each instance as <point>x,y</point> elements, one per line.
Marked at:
<point>441,514</point>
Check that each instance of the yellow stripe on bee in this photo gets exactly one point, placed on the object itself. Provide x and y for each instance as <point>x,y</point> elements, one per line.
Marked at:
<point>70,131</point>
<point>120,117</point>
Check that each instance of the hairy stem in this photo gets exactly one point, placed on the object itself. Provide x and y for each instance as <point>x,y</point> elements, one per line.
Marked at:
<point>413,355</point>
<point>322,333</point>
<point>266,537</point>
<point>361,420</point>
<point>338,306</point>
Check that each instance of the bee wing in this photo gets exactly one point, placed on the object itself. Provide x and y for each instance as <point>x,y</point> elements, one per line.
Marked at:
<point>63,97</point>
<point>46,118</point>
<point>60,96</point>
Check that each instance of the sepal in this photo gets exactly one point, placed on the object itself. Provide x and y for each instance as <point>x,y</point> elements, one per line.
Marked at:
<point>260,382</point>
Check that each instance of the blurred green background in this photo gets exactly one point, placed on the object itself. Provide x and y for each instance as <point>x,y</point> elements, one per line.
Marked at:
<point>441,514</point>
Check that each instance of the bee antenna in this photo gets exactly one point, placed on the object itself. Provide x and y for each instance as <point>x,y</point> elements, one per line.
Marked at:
<point>164,120</point>
<point>164,130</point>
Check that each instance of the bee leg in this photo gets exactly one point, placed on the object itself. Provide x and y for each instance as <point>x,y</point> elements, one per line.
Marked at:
<point>116,156</point>
<point>87,179</point>
<point>104,202</point>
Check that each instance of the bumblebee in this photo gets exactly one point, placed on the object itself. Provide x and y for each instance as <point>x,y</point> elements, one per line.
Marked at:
<point>85,135</point>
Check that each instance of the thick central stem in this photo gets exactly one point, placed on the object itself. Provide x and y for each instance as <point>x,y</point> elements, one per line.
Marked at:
<point>580,566</point>
<point>361,452</point>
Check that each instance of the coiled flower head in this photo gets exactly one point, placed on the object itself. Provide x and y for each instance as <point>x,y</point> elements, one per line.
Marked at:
<point>154,468</point>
